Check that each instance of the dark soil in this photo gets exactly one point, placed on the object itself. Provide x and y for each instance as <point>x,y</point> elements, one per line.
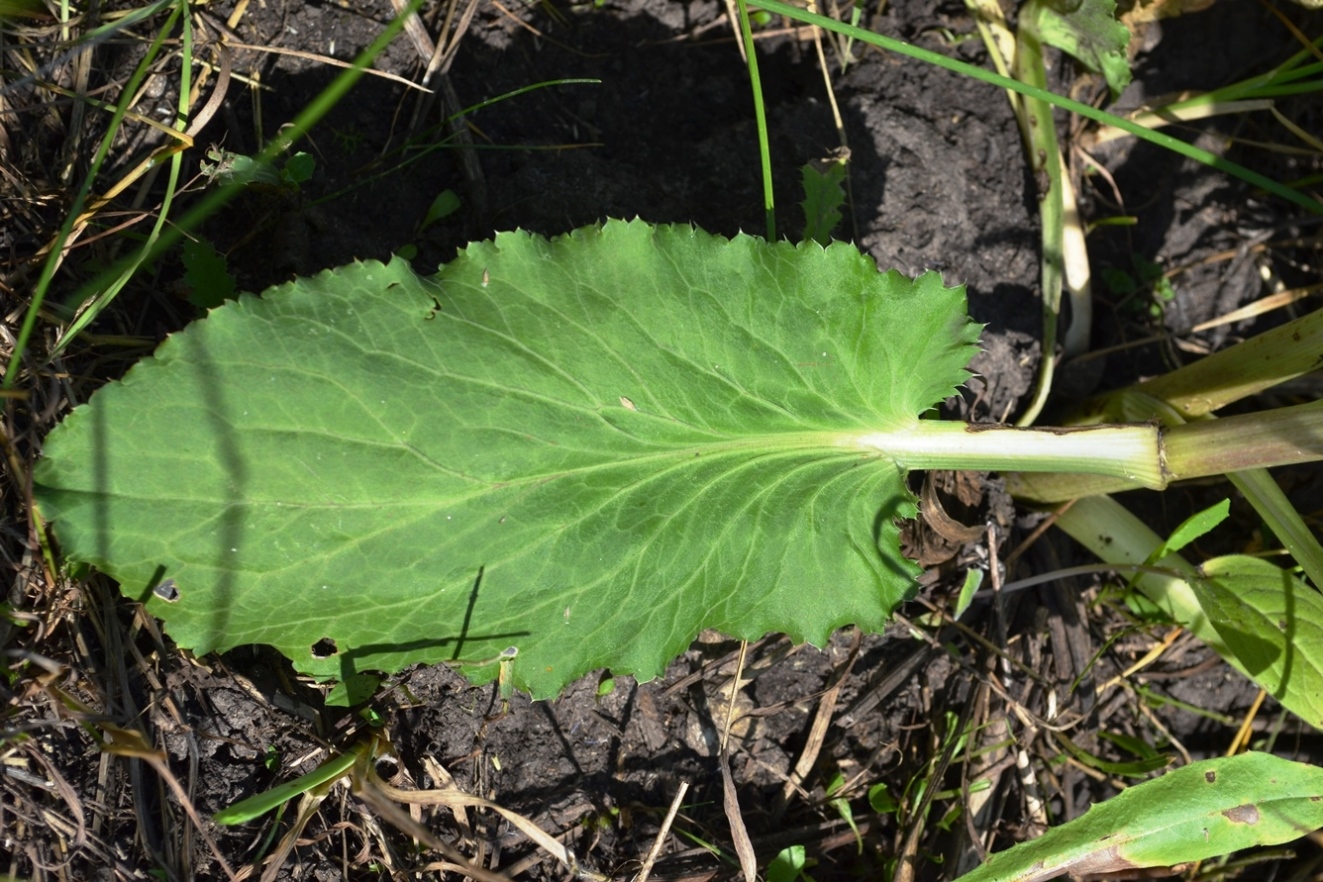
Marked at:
<point>938,181</point>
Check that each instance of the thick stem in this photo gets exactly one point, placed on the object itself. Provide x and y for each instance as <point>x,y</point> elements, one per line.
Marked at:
<point>1128,453</point>
<point>1283,436</point>
<point>1258,440</point>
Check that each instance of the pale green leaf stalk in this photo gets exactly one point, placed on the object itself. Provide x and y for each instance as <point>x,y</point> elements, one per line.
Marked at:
<point>1091,33</point>
<point>1203,810</point>
<point>1241,447</point>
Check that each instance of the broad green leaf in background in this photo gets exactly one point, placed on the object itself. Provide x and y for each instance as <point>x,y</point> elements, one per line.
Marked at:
<point>1089,31</point>
<point>1272,616</point>
<point>1273,623</point>
<point>1199,811</point>
<point>588,449</point>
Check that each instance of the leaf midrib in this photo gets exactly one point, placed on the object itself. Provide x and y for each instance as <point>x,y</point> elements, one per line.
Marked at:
<point>835,444</point>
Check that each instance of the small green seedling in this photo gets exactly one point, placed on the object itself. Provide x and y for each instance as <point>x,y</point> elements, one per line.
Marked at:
<point>227,167</point>
<point>1146,289</point>
<point>881,801</point>
<point>445,204</point>
<point>973,580</point>
<point>842,806</point>
<point>790,865</point>
<point>1194,527</point>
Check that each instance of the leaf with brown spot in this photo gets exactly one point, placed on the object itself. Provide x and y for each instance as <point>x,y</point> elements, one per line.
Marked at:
<point>1200,811</point>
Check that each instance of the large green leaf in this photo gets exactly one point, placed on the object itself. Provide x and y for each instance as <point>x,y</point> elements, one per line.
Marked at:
<point>1272,623</point>
<point>1088,30</point>
<point>588,448</point>
<point>1199,811</point>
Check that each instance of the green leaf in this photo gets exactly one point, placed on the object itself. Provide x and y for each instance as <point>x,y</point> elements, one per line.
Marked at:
<point>824,194</point>
<point>230,168</point>
<point>445,204</point>
<point>328,772</point>
<point>787,865</point>
<point>1091,33</point>
<point>586,450</point>
<point>881,801</point>
<point>23,9</point>
<point>1199,811</point>
<point>973,579</point>
<point>355,689</point>
<point>1132,769</point>
<point>298,169</point>
<point>1190,529</point>
<point>1273,623</point>
<point>207,275</point>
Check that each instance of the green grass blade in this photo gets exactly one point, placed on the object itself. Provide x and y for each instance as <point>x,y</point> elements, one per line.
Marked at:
<point>42,288</point>
<point>760,116</point>
<point>214,201</point>
<point>1162,140</point>
<point>90,311</point>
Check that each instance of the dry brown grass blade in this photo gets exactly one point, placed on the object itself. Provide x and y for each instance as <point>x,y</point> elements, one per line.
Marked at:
<point>66,792</point>
<point>662,833</point>
<point>739,834</point>
<point>217,97</point>
<point>131,743</point>
<point>817,736</point>
<point>458,798</point>
<point>438,57</point>
<point>308,806</point>
<point>326,59</point>
<point>369,788</point>
<point>730,800</point>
